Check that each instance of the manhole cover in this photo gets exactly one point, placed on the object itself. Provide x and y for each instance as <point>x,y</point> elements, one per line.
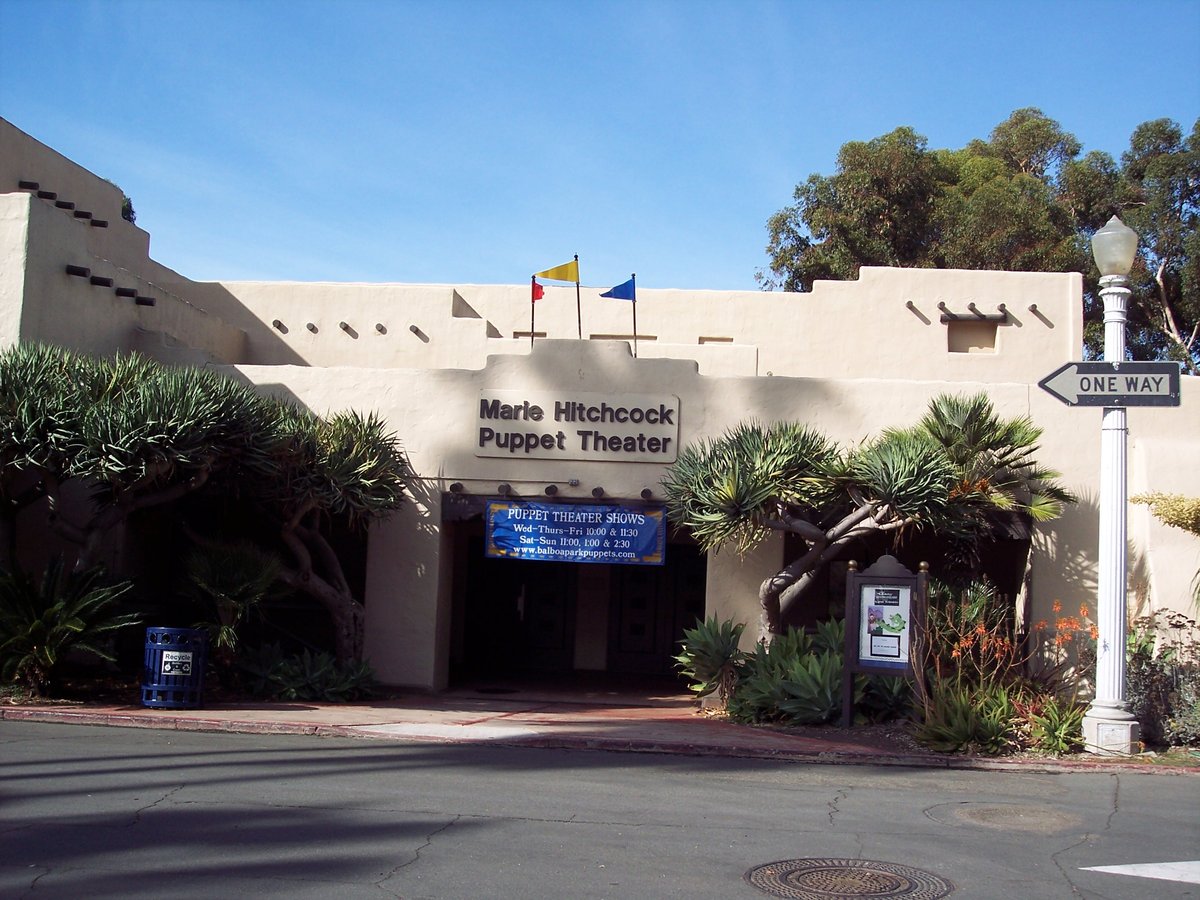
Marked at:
<point>833,879</point>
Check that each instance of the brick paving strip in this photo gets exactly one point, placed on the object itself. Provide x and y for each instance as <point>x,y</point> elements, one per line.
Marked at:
<point>678,729</point>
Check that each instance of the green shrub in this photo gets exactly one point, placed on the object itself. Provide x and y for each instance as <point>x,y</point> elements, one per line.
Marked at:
<point>309,676</point>
<point>886,698</point>
<point>41,622</point>
<point>1182,728</point>
<point>792,681</point>
<point>709,657</point>
<point>1057,727</point>
<point>813,688</point>
<point>1163,678</point>
<point>980,691</point>
<point>968,720</point>
<point>969,635</point>
<point>759,688</point>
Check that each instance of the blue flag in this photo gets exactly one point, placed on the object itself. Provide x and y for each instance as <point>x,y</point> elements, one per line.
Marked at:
<point>626,291</point>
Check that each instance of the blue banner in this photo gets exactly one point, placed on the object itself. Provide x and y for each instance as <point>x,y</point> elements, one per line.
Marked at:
<point>576,532</point>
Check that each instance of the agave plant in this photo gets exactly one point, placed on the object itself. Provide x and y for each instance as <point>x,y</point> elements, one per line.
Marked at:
<point>760,688</point>
<point>709,657</point>
<point>968,720</point>
<point>813,684</point>
<point>885,698</point>
<point>309,676</point>
<point>41,622</point>
<point>830,636</point>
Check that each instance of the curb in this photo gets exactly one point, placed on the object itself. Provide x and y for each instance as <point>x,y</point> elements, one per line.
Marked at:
<point>168,722</point>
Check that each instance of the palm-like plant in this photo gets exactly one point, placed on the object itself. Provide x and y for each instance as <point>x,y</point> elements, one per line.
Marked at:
<point>997,474</point>
<point>138,433</point>
<point>953,471</point>
<point>40,622</point>
<point>734,489</point>
<point>141,434</point>
<point>994,458</point>
<point>757,478</point>
<point>347,466</point>
<point>231,580</point>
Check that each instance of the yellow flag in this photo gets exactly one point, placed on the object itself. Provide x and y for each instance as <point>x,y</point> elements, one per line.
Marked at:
<point>565,272</point>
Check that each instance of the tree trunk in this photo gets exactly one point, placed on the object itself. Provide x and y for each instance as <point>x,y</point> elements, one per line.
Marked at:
<point>331,591</point>
<point>769,622</point>
<point>346,612</point>
<point>780,593</point>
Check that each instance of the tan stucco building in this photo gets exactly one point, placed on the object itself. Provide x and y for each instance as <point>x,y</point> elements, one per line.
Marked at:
<point>849,358</point>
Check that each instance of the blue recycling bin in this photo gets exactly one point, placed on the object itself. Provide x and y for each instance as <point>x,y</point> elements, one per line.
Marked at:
<point>173,671</point>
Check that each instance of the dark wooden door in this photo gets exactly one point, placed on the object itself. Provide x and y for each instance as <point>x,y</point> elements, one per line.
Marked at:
<point>649,608</point>
<point>519,615</point>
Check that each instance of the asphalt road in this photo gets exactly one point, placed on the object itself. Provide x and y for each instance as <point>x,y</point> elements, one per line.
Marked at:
<point>91,812</point>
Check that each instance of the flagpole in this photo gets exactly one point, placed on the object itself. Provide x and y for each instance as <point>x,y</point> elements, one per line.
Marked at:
<point>633,278</point>
<point>578,306</point>
<point>532,307</point>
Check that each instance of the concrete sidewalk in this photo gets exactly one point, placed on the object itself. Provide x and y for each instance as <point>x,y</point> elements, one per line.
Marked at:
<point>594,721</point>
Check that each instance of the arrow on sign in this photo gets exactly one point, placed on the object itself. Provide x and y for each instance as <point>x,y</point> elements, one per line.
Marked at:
<point>1114,384</point>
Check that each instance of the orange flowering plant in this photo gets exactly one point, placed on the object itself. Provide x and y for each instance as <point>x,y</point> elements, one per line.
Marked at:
<point>1065,644</point>
<point>972,649</point>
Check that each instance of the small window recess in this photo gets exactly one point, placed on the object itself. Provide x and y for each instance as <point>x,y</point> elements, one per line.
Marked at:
<point>971,336</point>
<point>525,334</point>
<point>973,331</point>
<point>716,340</point>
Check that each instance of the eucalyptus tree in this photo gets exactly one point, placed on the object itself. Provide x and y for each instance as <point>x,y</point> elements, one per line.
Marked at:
<point>1161,183</point>
<point>735,490</point>
<point>877,210</point>
<point>1022,200</point>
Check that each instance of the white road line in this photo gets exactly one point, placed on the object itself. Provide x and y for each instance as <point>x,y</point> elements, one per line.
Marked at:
<point>1188,872</point>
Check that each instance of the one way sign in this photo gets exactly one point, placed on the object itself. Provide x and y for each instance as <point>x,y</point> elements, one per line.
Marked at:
<point>1115,383</point>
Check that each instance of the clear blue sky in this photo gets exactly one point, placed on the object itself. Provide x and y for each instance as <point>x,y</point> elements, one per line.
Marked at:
<point>368,140</point>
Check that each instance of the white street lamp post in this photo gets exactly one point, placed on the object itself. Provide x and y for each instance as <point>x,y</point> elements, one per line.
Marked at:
<point>1108,726</point>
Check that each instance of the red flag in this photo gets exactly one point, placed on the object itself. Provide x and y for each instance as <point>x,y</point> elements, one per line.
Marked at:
<point>536,288</point>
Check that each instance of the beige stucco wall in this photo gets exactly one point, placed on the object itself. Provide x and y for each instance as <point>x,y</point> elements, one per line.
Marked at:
<point>435,412</point>
<point>22,158</point>
<point>44,303</point>
<point>886,322</point>
<point>1164,457</point>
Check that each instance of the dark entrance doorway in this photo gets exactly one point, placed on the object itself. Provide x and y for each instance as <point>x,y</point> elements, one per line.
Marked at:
<point>519,615</point>
<point>650,606</point>
<point>538,620</point>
